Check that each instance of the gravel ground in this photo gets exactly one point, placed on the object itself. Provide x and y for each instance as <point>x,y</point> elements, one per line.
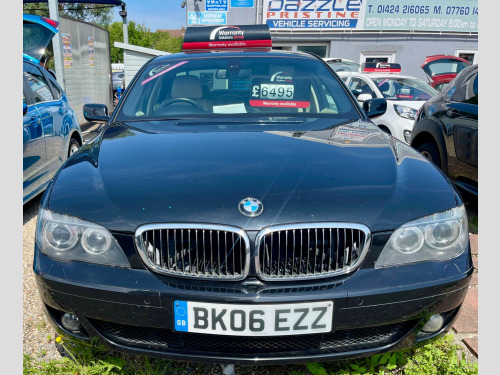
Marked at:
<point>36,328</point>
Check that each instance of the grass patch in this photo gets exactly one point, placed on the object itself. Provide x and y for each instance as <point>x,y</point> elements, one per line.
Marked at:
<point>442,356</point>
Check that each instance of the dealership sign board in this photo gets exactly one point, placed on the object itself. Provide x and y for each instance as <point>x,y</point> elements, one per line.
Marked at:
<point>416,15</point>
<point>207,18</point>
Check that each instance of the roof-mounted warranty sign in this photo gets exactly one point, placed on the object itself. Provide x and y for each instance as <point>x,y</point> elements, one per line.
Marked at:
<point>226,37</point>
<point>381,67</point>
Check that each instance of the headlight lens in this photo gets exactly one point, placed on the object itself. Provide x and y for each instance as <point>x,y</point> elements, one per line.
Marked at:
<point>68,238</point>
<point>405,111</point>
<point>440,236</point>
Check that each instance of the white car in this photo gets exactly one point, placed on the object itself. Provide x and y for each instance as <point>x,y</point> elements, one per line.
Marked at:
<point>342,65</point>
<point>404,94</point>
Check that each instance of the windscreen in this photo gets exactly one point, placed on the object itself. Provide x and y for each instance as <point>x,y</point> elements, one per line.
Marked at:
<point>344,66</point>
<point>404,88</point>
<point>222,86</point>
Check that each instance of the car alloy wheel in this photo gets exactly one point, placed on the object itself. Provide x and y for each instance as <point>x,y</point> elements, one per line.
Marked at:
<point>73,147</point>
<point>431,152</point>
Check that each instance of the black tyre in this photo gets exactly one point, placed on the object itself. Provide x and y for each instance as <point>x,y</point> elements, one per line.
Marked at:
<point>73,147</point>
<point>430,151</point>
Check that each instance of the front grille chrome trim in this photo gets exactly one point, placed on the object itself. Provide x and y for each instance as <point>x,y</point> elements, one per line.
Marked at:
<point>182,272</point>
<point>335,230</point>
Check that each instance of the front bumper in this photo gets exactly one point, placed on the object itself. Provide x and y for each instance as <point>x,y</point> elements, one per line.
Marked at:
<point>131,310</point>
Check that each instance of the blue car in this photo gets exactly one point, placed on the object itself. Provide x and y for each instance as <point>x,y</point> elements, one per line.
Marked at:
<point>51,132</point>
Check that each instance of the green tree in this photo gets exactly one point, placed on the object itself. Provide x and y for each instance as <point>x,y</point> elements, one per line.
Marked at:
<point>139,35</point>
<point>162,41</point>
<point>100,15</point>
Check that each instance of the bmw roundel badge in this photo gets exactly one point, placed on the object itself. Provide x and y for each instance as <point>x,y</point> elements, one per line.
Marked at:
<point>251,207</point>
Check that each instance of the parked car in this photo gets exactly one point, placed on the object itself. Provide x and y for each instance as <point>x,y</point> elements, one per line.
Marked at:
<point>342,65</point>
<point>404,95</point>
<point>51,132</point>
<point>240,207</point>
<point>117,78</point>
<point>442,69</point>
<point>446,130</point>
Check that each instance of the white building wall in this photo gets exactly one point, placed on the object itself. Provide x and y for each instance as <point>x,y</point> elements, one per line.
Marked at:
<point>135,57</point>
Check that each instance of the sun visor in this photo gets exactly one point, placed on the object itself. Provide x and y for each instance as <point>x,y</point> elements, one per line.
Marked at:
<point>227,37</point>
<point>381,67</point>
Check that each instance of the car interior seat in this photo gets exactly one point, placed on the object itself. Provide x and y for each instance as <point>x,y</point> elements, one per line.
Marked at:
<point>190,89</point>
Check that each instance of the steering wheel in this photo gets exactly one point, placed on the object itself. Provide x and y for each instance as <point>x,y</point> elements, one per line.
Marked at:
<point>182,100</point>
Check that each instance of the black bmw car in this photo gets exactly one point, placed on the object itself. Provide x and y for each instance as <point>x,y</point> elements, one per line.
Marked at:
<point>240,207</point>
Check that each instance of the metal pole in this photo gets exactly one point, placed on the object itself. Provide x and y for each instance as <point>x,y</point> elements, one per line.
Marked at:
<point>123,13</point>
<point>56,44</point>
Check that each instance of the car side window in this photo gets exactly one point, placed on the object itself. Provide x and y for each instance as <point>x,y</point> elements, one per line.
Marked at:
<point>359,86</point>
<point>38,84</point>
<point>57,90</point>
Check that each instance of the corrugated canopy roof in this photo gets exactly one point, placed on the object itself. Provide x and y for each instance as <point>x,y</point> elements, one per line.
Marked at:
<point>109,2</point>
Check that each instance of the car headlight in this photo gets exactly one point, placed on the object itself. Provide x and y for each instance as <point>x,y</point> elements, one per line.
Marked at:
<point>436,237</point>
<point>69,238</point>
<point>405,111</point>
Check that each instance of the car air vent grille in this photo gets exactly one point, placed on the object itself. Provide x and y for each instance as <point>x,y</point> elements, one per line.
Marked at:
<point>195,250</point>
<point>316,250</point>
<point>341,341</point>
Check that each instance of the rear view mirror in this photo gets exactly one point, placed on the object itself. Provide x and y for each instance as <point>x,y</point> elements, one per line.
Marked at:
<point>237,74</point>
<point>375,107</point>
<point>96,112</point>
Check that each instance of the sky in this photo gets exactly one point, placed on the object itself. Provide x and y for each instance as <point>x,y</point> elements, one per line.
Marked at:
<point>155,14</point>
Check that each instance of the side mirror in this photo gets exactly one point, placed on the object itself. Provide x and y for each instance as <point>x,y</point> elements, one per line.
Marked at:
<point>375,107</point>
<point>364,97</point>
<point>96,112</point>
<point>25,109</point>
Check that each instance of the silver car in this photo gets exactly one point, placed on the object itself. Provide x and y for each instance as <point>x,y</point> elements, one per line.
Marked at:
<point>117,77</point>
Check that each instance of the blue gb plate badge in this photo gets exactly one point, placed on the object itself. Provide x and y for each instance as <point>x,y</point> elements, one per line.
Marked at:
<point>181,316</point>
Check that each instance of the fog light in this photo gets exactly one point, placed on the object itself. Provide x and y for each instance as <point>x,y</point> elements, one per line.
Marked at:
<point>434,324</point>
<point>71,322</point>
<point>407,135</point>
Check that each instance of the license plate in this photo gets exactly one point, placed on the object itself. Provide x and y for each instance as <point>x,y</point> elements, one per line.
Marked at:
<point>253,320</point>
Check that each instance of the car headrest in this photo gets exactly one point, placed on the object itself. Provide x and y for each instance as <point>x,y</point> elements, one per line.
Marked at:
<point>384,86</point>
<point>187,87</point>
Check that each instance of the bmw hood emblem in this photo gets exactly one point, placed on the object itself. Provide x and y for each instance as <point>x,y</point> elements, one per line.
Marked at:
<point>251,207</point>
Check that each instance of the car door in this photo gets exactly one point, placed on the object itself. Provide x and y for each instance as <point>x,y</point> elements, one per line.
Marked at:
<point>460,118</point>
<point>51,112</point>
<point>34,157</point>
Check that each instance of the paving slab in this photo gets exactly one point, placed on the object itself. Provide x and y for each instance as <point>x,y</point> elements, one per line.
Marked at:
<point>474,245</point>
<point>473,345</point>
<point>467,321</point>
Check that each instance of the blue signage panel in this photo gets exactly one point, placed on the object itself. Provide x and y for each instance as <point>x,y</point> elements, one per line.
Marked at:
<point>207,18</point>
<point>241,3</point>
<point>216,5</point>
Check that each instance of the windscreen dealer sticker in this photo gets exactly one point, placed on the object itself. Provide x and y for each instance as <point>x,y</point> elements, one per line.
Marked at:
<point>281,91</point>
